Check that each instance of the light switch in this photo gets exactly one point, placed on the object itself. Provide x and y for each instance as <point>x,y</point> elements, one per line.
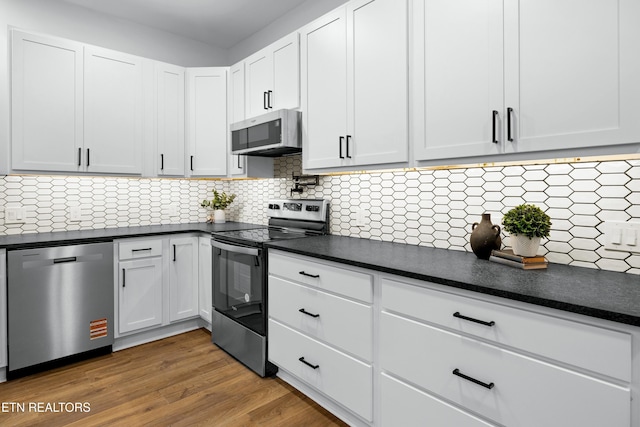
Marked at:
<point>622,236</point>
<point>15,215</point>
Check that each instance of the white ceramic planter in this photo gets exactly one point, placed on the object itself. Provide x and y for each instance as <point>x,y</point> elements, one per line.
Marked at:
<point>524,246</point>
<point>219,216</point>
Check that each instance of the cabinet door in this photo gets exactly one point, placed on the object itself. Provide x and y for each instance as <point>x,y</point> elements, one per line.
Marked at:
<point>377,85</point>
<point>571,73</point>
<point>286,73</point>
<point>170,119</point>
<point>113,112</point>
<point>236,110</point>
<point>458,78</point>
<point>205,278</point>
<point>324,90</point>
<point>46,103</point>
<point>207,129</point>
<point>259,81</point>
<point>140,294</point>
<point>183,278</point>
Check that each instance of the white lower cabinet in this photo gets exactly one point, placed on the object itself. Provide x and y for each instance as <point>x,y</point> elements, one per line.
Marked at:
<point>205,277</point>
<point>321,328</point>
<point>140,294</point>
<point>382,350</point>
<point>183,278</point>
<point>399,402</point>
<point>343,378</point>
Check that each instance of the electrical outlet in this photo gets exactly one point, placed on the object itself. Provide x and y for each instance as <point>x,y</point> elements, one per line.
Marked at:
<point>362,217</point>
<point>622,236</point>
<point>15,215</point>
<point>75,213</point>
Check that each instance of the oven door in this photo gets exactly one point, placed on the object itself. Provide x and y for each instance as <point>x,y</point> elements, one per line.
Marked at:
<point>238,284</point>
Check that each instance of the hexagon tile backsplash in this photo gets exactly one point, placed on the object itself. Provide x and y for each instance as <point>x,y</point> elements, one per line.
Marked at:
<point>428,207</point>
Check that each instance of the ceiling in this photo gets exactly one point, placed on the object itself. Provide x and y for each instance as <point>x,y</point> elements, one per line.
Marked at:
<point>221,23</point>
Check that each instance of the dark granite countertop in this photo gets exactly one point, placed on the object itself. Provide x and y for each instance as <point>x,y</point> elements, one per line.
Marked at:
<point>106,234</point>
<point>596,293</point>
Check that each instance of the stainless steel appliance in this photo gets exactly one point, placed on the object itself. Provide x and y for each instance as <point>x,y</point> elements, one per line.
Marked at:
<point>239,314</point>
<point>60,304</point>
<point>270,135</point>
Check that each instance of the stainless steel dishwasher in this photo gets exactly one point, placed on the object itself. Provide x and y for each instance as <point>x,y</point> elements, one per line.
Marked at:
<point>60,304</point>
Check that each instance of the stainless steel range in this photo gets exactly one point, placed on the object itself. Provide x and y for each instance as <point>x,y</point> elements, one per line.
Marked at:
<point>239,315</point>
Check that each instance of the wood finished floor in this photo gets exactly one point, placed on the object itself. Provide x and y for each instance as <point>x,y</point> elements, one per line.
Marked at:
<point>179,381</point>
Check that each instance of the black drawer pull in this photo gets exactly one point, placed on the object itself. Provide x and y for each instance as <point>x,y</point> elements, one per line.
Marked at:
<point>61,260</point>
<point>473,380</point>
<point>315,276</point>
<point>139,250</point>
<point>315,366</point>
<point>302,310</point>
<point>471,319</point>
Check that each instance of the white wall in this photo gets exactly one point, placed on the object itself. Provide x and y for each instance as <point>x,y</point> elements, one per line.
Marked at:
<point>295,19</point>
<point>76,23</point>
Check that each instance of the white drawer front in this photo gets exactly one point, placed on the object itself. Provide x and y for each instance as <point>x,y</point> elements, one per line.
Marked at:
<point>406,406</point>
<point>597,349</point>
<point>323,276</point>
<point>339,322</point>
<point>140,249</point>
<point>343,378</point>
<point>526,392</point>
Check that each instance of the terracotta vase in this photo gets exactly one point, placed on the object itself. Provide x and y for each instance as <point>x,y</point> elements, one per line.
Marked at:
<point>485,237</point>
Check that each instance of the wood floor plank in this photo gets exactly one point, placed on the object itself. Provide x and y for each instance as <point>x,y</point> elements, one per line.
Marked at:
<point>182,380</point>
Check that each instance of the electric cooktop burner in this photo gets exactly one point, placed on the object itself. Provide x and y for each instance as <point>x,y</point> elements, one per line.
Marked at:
<point>259,235</point>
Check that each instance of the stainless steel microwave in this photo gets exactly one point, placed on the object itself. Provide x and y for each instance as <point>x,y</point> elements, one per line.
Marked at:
<point>273,134</point>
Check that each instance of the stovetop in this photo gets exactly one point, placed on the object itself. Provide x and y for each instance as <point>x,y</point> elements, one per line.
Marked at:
<point>259,236</point>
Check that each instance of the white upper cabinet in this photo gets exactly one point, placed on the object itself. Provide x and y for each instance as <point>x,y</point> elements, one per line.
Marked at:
<point>509,76</point>
<point>47,103</point>
<point>458,78</point>
<point>571,73</point>
<point>236,111</point>
<point>355,86</point>
<point>207,128</point>
<point>272,77</point>
<point>113,112</point>
<point>170,117</point>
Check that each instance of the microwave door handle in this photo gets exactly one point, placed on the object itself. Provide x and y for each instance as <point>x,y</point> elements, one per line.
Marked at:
<point>235,249</point>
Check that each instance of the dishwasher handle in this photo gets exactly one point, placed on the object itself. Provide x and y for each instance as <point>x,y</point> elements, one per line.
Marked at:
<point>62,260</point>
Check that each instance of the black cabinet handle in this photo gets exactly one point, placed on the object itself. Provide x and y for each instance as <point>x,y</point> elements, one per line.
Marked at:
<point>174,253</point>
<point>308,364</point>
<point>315,276</point>
<point>471,319</point>
<point>79,156</point>
<point>269,92</point>
<point>88,158</point>
<point>191,163</point>
<point>161,162</point>
<point>494,117</point>
<point>302,310</point>
<point>340,140</point>
<point>264,100</point>
<point>348,139</point>
<point>124,277</point>
<point>239,165</point>
<point>473,380</point>
<point>140,250</point>
<point>509,136</point>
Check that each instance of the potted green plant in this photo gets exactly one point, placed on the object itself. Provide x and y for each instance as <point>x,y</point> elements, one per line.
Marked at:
<point>218,204</point>
<point>527,224</point>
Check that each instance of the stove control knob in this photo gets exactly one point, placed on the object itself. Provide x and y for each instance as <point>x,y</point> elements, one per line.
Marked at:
<point>311,208</point>
<point>270,205</point>
<point>276,206</point>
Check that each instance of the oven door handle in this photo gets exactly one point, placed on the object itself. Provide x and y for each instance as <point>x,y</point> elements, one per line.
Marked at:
<point>236,249</point>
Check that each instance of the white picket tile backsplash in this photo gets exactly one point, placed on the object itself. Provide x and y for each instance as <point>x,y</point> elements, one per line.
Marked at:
<point>431,207</point>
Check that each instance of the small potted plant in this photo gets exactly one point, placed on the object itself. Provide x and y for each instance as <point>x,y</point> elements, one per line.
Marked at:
<point>219,203</point>
<point>527,224</point>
